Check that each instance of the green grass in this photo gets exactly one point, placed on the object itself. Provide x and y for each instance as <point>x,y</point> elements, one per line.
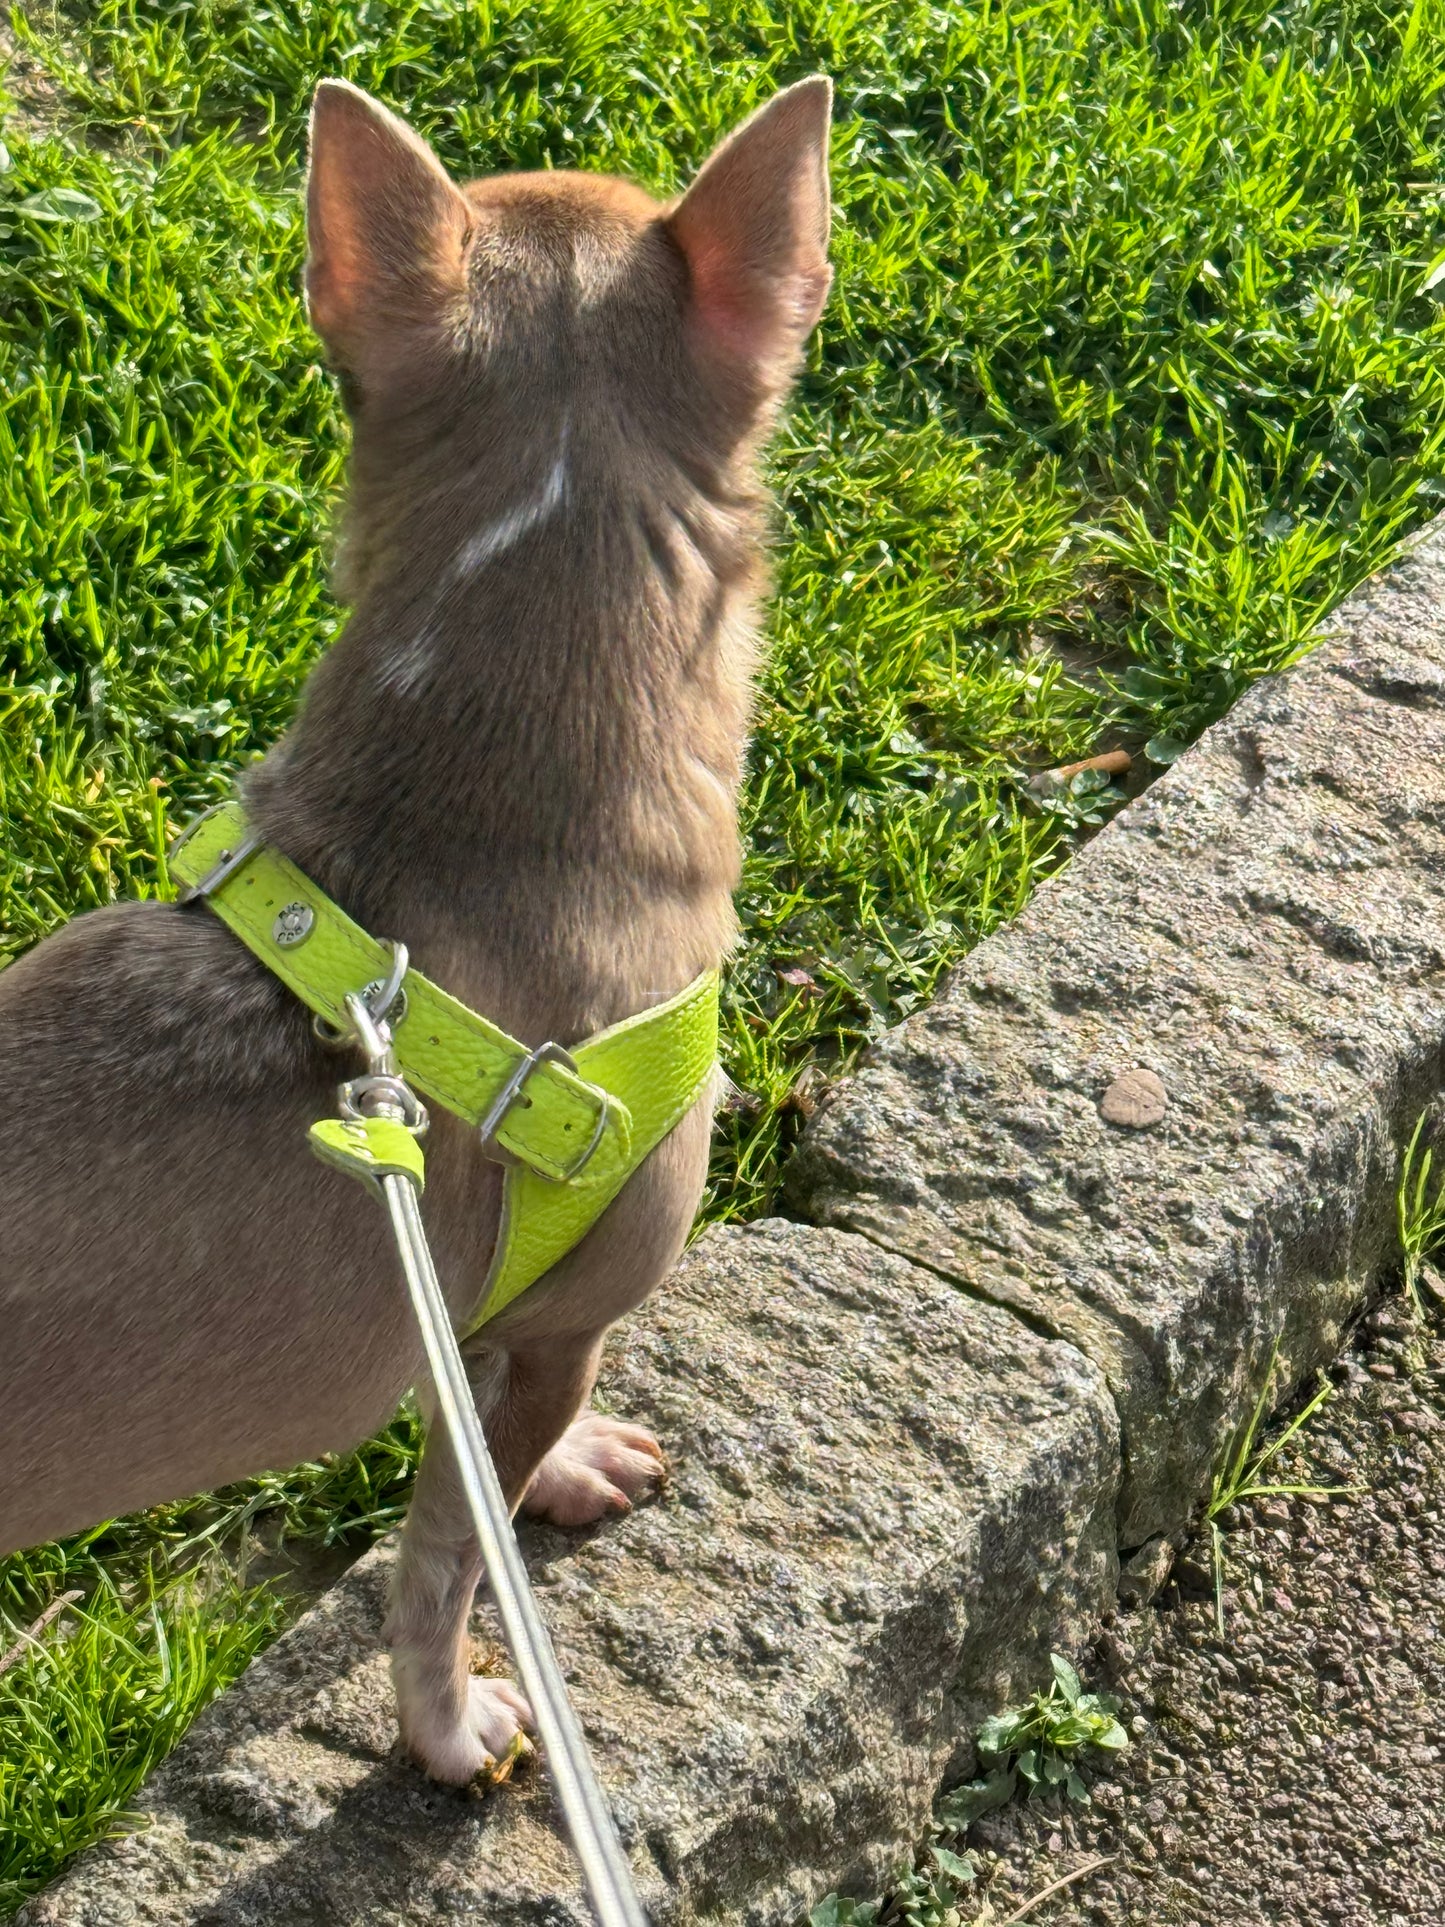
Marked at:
<point>107,1688</point>
<point>1133,370</point>
<point>164,1619</point>
<point>1243,1473</point>
<point>1419,1216</point>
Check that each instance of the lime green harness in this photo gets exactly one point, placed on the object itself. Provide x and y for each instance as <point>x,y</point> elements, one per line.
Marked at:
<point>574,1124</point>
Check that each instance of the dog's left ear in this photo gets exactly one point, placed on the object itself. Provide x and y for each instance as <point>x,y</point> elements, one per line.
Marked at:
<point>386,226</point>
<point>754,229</point>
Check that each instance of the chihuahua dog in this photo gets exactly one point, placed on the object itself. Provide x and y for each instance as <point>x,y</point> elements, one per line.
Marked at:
<point>521,758</point>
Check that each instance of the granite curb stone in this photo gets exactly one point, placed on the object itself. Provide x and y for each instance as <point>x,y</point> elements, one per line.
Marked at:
<point>1263,931</point>
<point>885,1501</point>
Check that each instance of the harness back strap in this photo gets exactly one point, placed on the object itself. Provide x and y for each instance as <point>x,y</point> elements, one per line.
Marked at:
<point>578,1134</point>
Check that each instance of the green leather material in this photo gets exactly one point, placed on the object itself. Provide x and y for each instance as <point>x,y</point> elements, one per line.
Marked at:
<point>445,1049</point>
<point>369,1148</point>
<point>659,1063</point>
<point>638,1079</point>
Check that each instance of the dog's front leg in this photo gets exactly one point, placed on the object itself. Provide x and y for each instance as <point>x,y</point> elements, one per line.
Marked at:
<point>451,1721</point>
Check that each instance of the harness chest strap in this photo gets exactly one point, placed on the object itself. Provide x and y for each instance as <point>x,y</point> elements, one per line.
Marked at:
<point>578,1134</point>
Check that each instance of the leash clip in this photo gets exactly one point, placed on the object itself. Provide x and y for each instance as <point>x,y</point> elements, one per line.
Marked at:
<point>370,1011</point>
<point>382,1092</point>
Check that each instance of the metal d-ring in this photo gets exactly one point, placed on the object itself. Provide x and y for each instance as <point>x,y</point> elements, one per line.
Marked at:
<point>390,988</point>
<point>376,998</point>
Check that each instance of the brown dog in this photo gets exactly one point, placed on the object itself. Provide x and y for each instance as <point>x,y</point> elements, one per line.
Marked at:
<point>521,759</point>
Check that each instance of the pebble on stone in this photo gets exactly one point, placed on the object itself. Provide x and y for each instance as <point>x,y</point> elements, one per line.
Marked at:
<point>1143,1575</point>
<point>1135,1098</point>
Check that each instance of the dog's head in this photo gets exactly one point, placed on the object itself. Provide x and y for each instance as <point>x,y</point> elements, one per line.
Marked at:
<point>520,298</point>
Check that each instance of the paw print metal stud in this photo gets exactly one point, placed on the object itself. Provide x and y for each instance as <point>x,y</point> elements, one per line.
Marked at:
<point>293,925</point>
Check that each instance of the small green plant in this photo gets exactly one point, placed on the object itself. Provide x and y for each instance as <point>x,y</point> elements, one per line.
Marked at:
<point>838,1911</point>
<point>925,1897</point>
<point>1043,1742</point>
<point>1242,1475</point>
<point>1085,800</point>
<point>1421,1218</point>
<point>1048,1739</point>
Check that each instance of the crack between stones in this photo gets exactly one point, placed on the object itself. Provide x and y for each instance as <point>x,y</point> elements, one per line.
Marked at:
<point>1031,1322</point>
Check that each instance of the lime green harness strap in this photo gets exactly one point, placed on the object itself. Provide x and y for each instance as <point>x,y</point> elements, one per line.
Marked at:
<point>578,1123</point>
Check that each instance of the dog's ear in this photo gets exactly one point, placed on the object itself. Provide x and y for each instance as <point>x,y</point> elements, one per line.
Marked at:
<point>386,227</point>
<point>754,228</point>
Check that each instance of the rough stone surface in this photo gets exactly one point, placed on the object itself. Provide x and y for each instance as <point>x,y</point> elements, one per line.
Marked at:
<point>886,1502</point>
<point>1264,929</point>
<point>1287,1774</point>
<point>897,1456</point>
<point>1142,1575</point>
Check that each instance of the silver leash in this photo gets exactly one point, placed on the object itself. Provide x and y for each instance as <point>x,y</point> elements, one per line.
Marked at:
<point>383,1093</point>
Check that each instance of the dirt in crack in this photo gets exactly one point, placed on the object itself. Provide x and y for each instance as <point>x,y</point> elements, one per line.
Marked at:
<point>1291,1771</point>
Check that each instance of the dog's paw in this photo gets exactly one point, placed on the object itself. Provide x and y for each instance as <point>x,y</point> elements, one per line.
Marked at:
<point>496,1714</point>
<point>598,1466</point>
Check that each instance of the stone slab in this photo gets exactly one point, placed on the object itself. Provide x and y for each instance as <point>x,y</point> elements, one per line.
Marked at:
<point>888,1502</point>
<point>1264,929</point>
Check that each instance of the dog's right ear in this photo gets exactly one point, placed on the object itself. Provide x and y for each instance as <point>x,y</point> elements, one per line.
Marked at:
<point>386,226</point>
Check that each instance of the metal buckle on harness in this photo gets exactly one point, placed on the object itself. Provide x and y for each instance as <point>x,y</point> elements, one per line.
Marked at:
<point>226,864</point>
<point>511,1092</point>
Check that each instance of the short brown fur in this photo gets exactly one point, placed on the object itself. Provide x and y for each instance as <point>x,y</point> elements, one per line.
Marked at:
<point>522,758</point>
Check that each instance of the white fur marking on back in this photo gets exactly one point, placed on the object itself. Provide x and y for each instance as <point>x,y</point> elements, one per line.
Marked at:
<point>509,529</point>
<point>405,674</point>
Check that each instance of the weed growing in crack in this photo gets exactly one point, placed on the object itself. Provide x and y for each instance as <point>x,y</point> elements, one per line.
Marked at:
<point>838,1911</point>
<point>1420,1217</point>
<point>926,1897</point>
<point>1046,1741</point>
<point>1242,1475</point>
